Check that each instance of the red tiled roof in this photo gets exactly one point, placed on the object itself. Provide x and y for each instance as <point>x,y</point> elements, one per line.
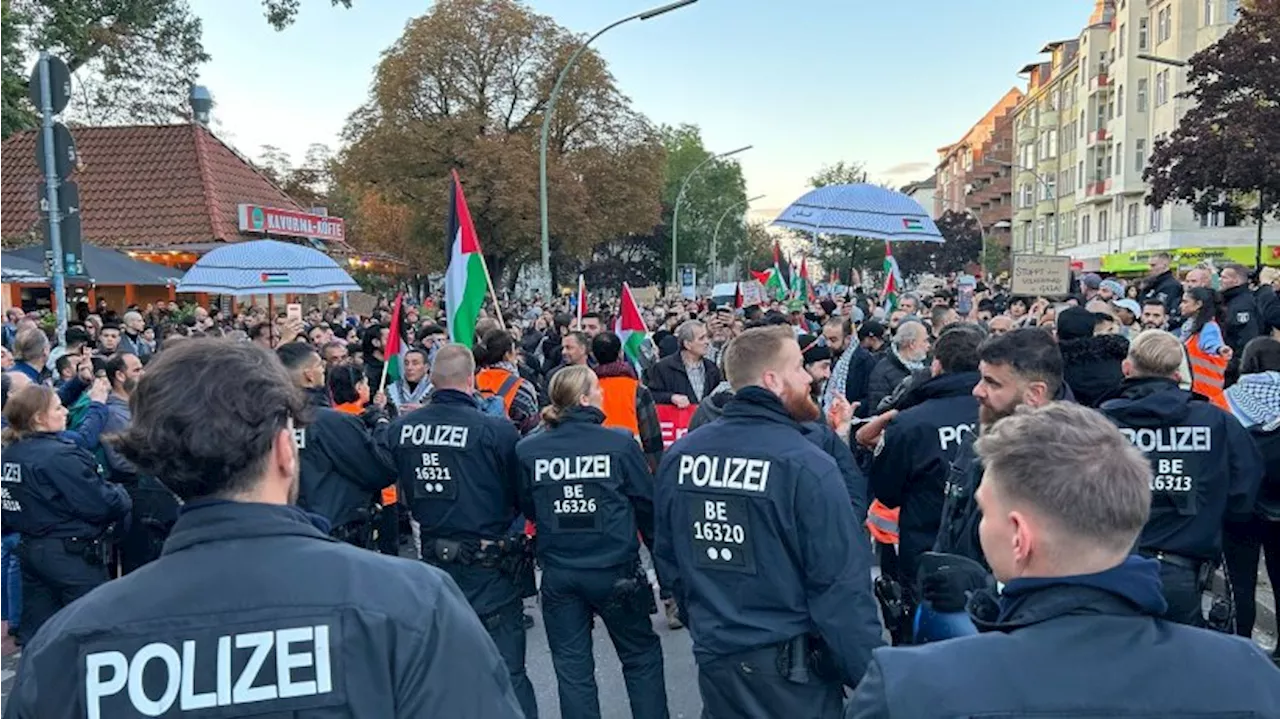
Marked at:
<point>142,186</point>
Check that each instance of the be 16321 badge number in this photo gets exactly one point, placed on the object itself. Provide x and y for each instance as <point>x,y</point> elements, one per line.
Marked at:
<point>720,527</point>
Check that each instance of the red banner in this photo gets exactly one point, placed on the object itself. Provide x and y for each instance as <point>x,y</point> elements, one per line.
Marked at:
<point>674,422</point>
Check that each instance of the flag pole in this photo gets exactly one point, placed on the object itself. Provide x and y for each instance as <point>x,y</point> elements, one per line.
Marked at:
<point>497,308</point>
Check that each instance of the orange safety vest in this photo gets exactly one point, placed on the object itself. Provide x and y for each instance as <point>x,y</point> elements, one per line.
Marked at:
<point>1208,372</point>
<point>494,381</point>
<point>620,403</point>
<point>389,495</point>
<point>882,523</point>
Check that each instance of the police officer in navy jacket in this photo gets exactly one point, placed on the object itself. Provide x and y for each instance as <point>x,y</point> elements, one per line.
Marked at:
<point>589,489</point>
<point>459,474</point>
<point>1206,469</point>
<point>772,568</point>
<point>252,609</point>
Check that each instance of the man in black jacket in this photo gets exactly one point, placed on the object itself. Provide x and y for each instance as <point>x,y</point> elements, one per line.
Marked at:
<point>343,465</point>
<point>916,450</point>
<point>857,364</point>
<point>687,376</point>
<point>1161,284</point>
<point>907,354</point>
<point>1243,319</point>
<point>1090,363</point>
<point>1065,498</point>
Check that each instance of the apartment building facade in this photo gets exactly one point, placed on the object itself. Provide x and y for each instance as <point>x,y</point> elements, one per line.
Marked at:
<point>973,175</point>
<point>1085,131</point>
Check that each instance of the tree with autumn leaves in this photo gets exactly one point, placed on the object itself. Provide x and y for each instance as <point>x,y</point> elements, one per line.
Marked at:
<point>465,87</point>
<point>1225,153</point>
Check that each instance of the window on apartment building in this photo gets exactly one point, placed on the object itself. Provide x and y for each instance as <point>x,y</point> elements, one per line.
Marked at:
<point>1050,188</point>
<point>1120,101</point>
<point>1208,12</point>
<point>1157,219</point>
<point>1164,24</point>
<point>1111,107</point>
<point>1080,176</point>
<point>1211,219</point>
<point>1119,168</point>
<point>1144,32</point>
<point>1139,155</point>
<point>1104,231</point>
<point>1040,234</point>
<point>1131,222</point>
<point>1142,95</point>
<point>1026,196</point>
<point>1082,125</point>
<point>1162,89</point>
<point>1084,230</point>
<point>1120,46</point>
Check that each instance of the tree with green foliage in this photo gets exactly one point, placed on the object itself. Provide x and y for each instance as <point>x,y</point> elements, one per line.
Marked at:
<point>718,186</point>
<point>1225,152</point>
<point>16,113</point>
<point>960,252</point>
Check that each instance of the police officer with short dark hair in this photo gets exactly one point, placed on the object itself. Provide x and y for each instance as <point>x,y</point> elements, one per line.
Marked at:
<point>914,454</point>
<point>55,498</point>
<point>589,489</point>
<point>459,474</point>
<point>1206,468</point>
<point>772,567</point>
<point>343,465</point>
<point>252,609</point>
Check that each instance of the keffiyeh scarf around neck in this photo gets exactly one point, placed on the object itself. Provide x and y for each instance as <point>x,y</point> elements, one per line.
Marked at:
<point>1255,399</point>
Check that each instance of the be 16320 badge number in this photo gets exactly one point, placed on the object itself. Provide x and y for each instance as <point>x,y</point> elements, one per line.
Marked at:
<point>720,527</point>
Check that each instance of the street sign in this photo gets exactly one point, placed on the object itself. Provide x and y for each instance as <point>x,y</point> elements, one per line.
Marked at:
<point>59,86</point>
<point>64,153</point>
<point>70,228</point>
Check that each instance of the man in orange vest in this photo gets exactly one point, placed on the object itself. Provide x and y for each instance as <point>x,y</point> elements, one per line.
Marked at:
<point>627,403</point>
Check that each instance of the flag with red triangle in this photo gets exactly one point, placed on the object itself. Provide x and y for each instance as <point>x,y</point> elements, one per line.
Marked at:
<point>630,326</point>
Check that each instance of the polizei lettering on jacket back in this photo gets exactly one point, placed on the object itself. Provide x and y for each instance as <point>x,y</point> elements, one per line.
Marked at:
<point>1170,439</point>
<point>290,667</point>
<point>434,435</point>
<point>558,469</point>
<point>750,475</point>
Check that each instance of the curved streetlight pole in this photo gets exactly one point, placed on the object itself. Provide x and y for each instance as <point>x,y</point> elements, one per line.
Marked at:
<point>546,125</point>
<point>675,214</point>
<point>715,235</point>
<point>1043,183</point>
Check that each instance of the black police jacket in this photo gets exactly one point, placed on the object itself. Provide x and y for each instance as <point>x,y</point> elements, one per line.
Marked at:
<point>754,523</point>
<point>1244,321</point>
<point>915,454</point>
<point>251,606</point>
<point>52,488</point>
<point>589,489</point>
<point>1206,466</point>
<point>343,466</point>
<point>457,467</point>
<point>1166,288</point>
<point>1073,647</point>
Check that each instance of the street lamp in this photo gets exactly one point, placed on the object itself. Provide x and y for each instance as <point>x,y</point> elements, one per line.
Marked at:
<point>715,235</point>
<point>546,124</point>
<point>675,214</point>
<point>1162,60</point>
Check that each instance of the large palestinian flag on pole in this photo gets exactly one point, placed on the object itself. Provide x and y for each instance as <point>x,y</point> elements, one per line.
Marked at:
<point>777,284</point>
<point>393,353</point>
<point>465,280</point>
<point>803,287</point>
<point>630,326</point>
<point>892,280</point>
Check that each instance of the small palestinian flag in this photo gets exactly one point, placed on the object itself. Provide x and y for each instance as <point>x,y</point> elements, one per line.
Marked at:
<point>892,280</point>
<point>913,225</point>
<point>630,326</point>
<point>275,278</point>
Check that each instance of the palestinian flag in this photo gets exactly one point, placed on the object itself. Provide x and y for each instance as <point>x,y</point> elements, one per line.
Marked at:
<point>393,353</point>
<point>912,224</point>
<point>777,283</point>
<point>737,296</point>
<point>630,326</point>
<point>892,280</point>
<point>466,278</point>
<point>762,277</point>
<point>803,287</point>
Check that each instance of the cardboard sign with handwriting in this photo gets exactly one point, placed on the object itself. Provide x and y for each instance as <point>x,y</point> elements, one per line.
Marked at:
<point>1041,275</point>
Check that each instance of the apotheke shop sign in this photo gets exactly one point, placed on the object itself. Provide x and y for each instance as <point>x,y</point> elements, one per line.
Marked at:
<point>260,220</point>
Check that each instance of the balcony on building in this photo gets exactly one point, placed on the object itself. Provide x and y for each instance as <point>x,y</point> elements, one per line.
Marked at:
<point>1100,136</point>
<point>1045,206</point>
<point>1026,133</point>
<point>1024,214</point>
<point>1097,190</point>
<point>1100,82</point>
<point>1049,118</point>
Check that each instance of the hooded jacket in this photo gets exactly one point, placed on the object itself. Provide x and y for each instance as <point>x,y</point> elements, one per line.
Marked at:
<point>1073,646</point>
<point>1206,467</point>
<point>1091,366</point>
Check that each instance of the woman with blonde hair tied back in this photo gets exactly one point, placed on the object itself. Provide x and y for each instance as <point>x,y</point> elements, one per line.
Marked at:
<point>588,489</point>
